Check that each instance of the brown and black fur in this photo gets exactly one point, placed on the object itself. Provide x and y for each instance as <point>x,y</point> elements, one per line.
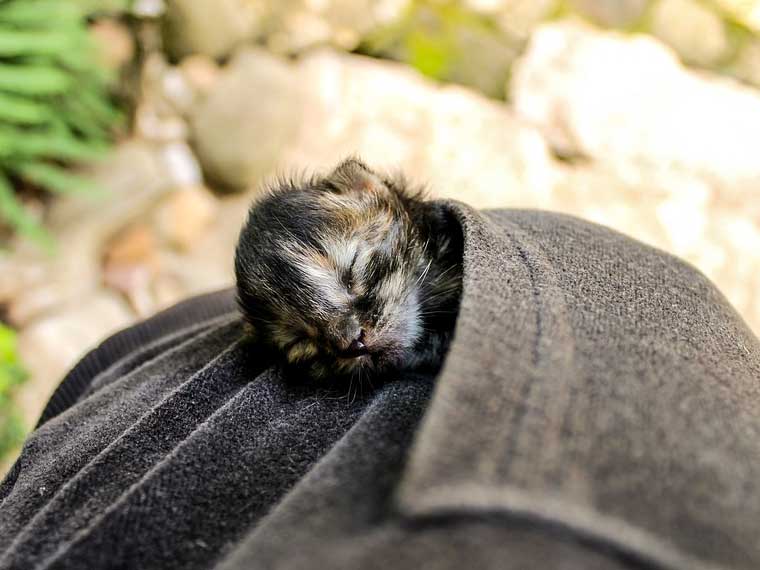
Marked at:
<point>350,275</point>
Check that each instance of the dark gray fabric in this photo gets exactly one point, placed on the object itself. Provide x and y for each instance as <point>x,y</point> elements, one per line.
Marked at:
<point>599,409</point>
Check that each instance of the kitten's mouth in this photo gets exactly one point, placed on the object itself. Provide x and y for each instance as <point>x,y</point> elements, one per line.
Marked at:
<point>356,350</point>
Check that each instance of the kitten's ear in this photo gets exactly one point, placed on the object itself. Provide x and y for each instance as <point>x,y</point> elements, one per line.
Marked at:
<point>443,230</point>
<point>353,175</point>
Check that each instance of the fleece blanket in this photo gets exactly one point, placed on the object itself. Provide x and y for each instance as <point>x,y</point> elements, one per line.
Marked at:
<point>599,408</point>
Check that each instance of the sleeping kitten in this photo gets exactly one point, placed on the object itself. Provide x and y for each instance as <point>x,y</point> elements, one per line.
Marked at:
<point>350,275</point>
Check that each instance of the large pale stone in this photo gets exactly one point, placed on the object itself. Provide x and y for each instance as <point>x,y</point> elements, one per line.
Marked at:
<point>252,114</point>
<point>461,143</point>
<point>293,26</point>
<point>746,66</point>
<point>693,30</point>
<point>617,13</point>
<point>208,27</point>
<point>628,102</point>
<point>746,11</point>
<point>518,18</point>
<point>185,215</point>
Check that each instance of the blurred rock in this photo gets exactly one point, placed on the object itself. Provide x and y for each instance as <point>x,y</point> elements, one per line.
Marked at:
<point>181,164</point>
<point>745,11</point>
<point>746,66</point>
<point>628,102</point>
<point>49,346</point>
<point>612,13</point>
<point>153,125</point>
<point>694,31</point>
<point>130,262</point>
<point>183,217</point>
<point>134,245</point>
<point>35,283</point>
<point>483,61</point>
<point>116,46</point>
<point>460,142</point>
<point>208,27</point>
<point>450,43</point>
<point>486,6</point>
<point>518,18</point>
<point>293,26</point>
<point>252,114</point>
<point>158,115</point>
<point>183,86</point>
<point>200,72</point>
<point>148,8</point>
<point>178,90</point>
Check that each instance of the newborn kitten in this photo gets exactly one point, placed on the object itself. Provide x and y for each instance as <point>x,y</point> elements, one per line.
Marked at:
<point>350,275</point>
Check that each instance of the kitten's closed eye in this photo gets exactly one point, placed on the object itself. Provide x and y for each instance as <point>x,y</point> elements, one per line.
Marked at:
<point>350,275</point>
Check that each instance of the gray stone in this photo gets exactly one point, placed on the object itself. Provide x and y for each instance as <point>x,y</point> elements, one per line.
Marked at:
<point>483,61</point>
<point>518,18</point>
<point>148,8</point>
<point>628,102</point>
<point>614,13</point>
<point>185,215</point>
<point>694,31</point>
<point>293,26</point>
<point>746,12</point>
<point>747,64</point>
<point>462,143</point>
<point>209,27</point>
<point>251,115</point>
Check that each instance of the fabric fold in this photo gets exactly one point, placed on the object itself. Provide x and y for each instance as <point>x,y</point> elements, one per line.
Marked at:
<point>575,394</point>
<point>599,408</point>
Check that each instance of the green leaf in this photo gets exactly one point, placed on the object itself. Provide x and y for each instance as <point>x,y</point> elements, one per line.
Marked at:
<point>20,43</point>
<point>13,213</point>
<point>7,345</point>
<point>12,429</point>
<point>23,110</point>
<point>54,178</point>
<point>429,55</point>
<point>50,143</point>
<point>55,103</point>
<point>34,80</point>
<point>40,13</point>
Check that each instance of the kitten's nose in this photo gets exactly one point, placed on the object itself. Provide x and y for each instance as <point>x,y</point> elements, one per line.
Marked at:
<point>357,347</point>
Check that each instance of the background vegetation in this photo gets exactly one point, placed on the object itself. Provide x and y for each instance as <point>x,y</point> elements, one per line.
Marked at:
<point>55,106</point>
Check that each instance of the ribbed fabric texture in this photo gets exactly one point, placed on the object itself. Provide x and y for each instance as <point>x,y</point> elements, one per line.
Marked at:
<point>599,409</point>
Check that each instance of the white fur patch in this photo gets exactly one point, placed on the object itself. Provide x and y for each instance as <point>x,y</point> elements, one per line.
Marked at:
<point>393,287</point>
<point>324,279</point>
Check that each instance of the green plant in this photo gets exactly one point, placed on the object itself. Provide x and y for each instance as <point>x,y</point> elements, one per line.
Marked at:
<point>11,375</point>
<point>55,109</point>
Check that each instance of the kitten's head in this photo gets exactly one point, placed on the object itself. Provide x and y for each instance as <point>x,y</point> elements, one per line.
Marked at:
<point>341,274</point>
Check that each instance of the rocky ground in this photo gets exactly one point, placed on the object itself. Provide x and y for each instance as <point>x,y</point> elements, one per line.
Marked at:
<point>608,126</point>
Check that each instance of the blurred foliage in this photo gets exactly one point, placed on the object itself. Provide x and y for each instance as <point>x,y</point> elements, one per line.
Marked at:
<point>446,41</point>
<point>55,108</point>
<point>11,375</point>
